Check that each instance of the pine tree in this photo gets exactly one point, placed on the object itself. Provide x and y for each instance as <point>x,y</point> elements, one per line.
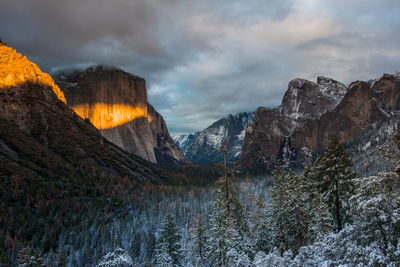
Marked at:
<point>4,259</point>
<point>289,216</point>
<point>30,257</point>
<point>228,224</point>
<point>263,237</point>
<point>299,224</point>
<point>198,241</point>
<point>169,244</point>
<point>321,220</point>
<point>332,177</point>
<point>52,259</point>
<point>118,257</point>
<point>279,216</point>
<point>162,257</point>
<point>218,244</point>
<point>62,257</point>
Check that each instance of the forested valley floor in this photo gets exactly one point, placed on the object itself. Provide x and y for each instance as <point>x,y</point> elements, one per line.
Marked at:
<point>326,215</point>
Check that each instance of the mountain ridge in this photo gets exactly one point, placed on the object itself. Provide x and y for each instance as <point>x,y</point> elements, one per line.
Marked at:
<point>363,110</point>
<point>204,144</point>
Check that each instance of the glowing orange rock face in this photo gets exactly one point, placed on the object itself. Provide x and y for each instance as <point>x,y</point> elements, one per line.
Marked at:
<point>16,69</point>
<point>105,116</point>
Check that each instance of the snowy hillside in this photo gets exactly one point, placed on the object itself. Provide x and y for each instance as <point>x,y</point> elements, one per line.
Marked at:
<point>184,140</point>
<point>202,146</point>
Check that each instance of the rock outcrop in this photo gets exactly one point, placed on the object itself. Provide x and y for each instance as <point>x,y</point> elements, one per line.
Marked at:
<point>363,118</point>
<point>42,138</point>
<point>306,100</point>
<point>116,103</point>
<point>16,69</point>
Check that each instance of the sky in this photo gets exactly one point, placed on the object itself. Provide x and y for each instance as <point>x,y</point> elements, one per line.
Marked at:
<point>203,60</point>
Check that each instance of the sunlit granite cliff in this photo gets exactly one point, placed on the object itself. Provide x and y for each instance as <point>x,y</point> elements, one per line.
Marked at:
<point>116,103</point>
<point>42,138</point>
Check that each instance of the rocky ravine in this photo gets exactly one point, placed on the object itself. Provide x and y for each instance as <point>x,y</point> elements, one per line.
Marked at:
<point>116,103</point>
<point>202,146</point>
<point>363,116</point>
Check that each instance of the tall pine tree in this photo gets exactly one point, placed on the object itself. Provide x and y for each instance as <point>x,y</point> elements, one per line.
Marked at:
<point>332,180</point>
<point>229,229</point>
<point>289,216</point>
<point>168,245</point>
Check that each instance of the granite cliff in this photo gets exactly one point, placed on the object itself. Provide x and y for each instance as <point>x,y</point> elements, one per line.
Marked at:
<point>41,137</point>
<point>116,103</point>
<point>363,116</point>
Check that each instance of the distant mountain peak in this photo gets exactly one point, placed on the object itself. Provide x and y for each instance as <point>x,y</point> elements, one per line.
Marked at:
<point>202,146</point>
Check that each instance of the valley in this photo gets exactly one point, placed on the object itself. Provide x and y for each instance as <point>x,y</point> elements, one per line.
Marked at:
<point>201,134</point>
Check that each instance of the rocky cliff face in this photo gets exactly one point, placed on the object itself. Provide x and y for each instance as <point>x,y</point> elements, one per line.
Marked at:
<point>363,118</point>
<point>115,102</point>
<point>203,146</point>
<point>40,136</point>
<point>306,100</point>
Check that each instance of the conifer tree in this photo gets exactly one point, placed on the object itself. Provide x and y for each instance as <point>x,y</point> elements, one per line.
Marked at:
<point>52,258</point>
<point>332,177</point>
<point>169,246</point>
<point>278,209</point>
<point>288,212</point>
<point>198,241</point>
<point>30,257</point>
<point>262,237</point>
<point>62,257</point>
<point>299,224</point>
<point>162,257</point>
<point>321,219</point>
<point>228,224</point>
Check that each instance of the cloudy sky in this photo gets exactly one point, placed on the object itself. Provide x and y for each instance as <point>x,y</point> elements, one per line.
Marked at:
<point>205,59</point>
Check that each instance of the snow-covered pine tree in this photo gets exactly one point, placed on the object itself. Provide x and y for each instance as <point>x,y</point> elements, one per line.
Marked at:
<point>162,257</point>
<point>262,237</point>
<point>30,257</point>
<point>321,222</point>
<point>288,212</point>
<point>197,241</point>
<point>332,177</point>
<point>228,224</point>
<point>299,224</point>
<point>217,245</point>
<point>116,258</point>
<point>168,244</point>
<point>62,257</point>
<point>278,209</point>
<point>52,259</point>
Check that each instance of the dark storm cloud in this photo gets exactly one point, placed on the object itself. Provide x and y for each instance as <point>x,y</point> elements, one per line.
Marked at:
<point>205,59</point>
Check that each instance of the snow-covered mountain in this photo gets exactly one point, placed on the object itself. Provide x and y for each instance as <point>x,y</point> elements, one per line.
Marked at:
<point>183,140</point>
<point>202,146</point>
